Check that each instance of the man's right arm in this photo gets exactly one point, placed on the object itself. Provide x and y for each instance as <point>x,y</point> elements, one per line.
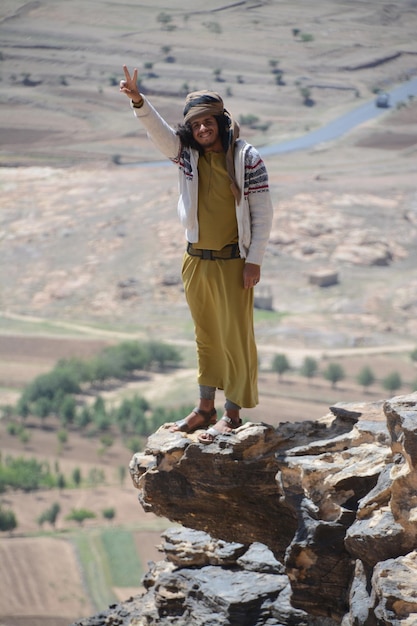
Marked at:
<point>163,136</point>
<point>159,131</point>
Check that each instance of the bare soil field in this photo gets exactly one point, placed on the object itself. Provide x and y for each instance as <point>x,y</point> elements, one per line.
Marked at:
<point>33,595</point>
<point>91,248</point>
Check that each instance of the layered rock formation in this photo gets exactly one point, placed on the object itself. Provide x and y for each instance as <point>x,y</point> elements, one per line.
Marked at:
<point>307,524</point>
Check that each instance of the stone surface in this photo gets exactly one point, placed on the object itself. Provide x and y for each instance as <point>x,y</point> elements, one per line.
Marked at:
<point>309,524</point>
<point>394,590</point>
<point>230,483</point>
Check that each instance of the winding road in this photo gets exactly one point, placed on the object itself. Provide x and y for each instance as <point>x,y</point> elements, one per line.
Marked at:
<point>344,123</point>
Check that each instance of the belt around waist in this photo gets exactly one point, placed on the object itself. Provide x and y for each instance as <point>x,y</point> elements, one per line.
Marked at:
<point>230,251</point>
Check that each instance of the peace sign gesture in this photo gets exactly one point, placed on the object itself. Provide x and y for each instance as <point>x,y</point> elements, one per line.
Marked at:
<point>129,86</point>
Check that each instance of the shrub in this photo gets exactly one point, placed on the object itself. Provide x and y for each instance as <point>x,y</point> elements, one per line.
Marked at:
<point>49,515</point>
<point>66,409</point>
<point>392,382</point>
<point>166,21</point>
<point>134,444</point>
<point>213,27</point>
<point>280,364</point>
<point>334,373</point>
<point>25,474</point>
<point>8,520</point>
<point>309,367</point>
<point>62,436</point>
<point>306,37</point>
<point>96,477</point>
<point>248,120</point>
<point>109,513</point>
<point>365,377</point>
<point>162,354</point>
<point>80,515</point>
<point>217,75</point>
<point>76,476</point>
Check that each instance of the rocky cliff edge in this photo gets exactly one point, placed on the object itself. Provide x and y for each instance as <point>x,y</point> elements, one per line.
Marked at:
<point>306,524</point>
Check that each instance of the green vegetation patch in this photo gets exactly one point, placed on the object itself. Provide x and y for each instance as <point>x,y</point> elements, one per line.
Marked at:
<point>95,567</point>
<point>108,558</point>
<point>125,565</point>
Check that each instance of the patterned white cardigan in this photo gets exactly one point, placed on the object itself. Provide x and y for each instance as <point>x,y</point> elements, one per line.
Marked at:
<point>253,212</point>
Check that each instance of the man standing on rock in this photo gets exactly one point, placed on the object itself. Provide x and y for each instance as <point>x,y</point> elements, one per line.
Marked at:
<point>226,209</point>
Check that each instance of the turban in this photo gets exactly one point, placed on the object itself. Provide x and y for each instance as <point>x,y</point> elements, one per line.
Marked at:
<point>210,103</point>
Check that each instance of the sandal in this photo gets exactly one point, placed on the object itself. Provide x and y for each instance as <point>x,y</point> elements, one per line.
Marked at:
<point>209,417</point>
<point>214,432</point>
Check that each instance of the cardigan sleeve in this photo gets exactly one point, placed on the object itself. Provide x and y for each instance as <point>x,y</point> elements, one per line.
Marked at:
<point>162,135</point>
<point>260,208</point>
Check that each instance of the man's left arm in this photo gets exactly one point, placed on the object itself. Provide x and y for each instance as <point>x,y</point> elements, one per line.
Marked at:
<point>261,212</point>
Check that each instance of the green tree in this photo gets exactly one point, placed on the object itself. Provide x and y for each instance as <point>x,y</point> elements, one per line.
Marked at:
<point>25,474</point>
<point>24,436</point>
<point>83,418</point>
<point>106,441</point>
<point>7,410</point>
<point>309,367</point>
<point>162,354</point>
<point>280,365</point>
<point>62,378</point>
<point>62,436</point>
<point>306,95</point>
<point>22,407</point>
<point>42,408</point>
<point>95,477</point>
<point>334,373</point>
<point>217,75</point>
<point>61,482</point>
<point>50,515</point>
<point>99,405</point>
<point>8,521</point>
<point>413,355</point>
<point>76,476</point>
<point>67,410</point>
<point>134,444</point>
<point>109,513</point>
<point>392,382</point>
<point>80,515</point>
<point>365,377</point>
<point>121,474</point>
<point>165,20</point>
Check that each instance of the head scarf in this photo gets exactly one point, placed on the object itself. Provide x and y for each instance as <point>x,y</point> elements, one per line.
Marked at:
<point>210,103</point>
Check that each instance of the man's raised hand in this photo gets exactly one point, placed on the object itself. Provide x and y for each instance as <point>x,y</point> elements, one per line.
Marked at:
<point>129,86</point>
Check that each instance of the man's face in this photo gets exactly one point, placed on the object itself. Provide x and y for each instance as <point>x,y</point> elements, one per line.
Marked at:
<point>206,133</point>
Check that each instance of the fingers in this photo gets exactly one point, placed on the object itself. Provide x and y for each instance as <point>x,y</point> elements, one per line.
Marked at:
<point>251,275</point>
<point>127,74</point>
<point>131,81</point>
<point>249,282</point>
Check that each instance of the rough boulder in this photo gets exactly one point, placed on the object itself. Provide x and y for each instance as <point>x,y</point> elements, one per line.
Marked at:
<point>306,524</point>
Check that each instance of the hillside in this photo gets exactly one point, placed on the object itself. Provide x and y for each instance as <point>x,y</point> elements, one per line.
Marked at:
<point>90,244</point>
